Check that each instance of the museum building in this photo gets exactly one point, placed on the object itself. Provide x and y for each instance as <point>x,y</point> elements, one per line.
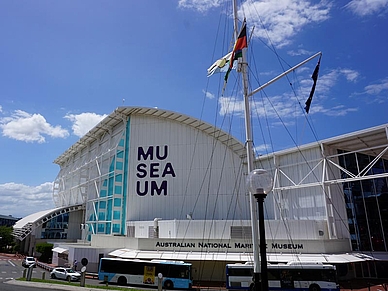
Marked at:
<point>147,183</point>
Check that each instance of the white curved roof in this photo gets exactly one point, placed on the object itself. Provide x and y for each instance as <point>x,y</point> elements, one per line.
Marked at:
<point>26,225</point>
<point>33,217</point>
<point>121,114</point>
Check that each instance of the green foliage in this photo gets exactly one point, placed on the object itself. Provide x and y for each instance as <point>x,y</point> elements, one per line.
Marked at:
<point>7,241</point>
<point>45,249</point>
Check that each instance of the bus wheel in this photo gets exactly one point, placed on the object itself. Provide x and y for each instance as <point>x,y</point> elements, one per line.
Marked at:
<point>315,287</point>
<point>122,281</point>
<point>168,284</point>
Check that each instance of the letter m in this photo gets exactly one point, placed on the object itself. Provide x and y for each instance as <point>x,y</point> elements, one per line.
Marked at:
<point>144,155</point>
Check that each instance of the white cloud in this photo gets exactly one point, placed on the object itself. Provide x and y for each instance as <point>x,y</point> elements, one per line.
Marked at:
<point>299,52</point>
<point>283,19</point>
<point>376,89</point>
<point>200,5</point>
<point>208,94</point>
<point>262,149</point>
<point>84,122</point>
<point>328,80</point>
<point>28,127</point>
<point>283,106</point>
<point>367,7</point>
<point>324,85</point>
<point>20,200</point>
<point>350,75</point>
<point>340,110</point>
<point>231,106</point>
<point>271,107</point>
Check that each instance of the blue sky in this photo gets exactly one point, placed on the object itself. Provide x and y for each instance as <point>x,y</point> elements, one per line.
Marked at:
<point>67,64</point>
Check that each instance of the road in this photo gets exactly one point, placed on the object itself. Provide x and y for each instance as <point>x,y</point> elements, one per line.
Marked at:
<point>11,268</point>
<point>11,287</point>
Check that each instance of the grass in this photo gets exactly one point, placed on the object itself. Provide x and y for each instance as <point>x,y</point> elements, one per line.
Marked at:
<point>77,284</point>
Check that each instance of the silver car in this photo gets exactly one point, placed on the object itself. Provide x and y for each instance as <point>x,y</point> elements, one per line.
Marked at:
<point>29,261</point>
<point>65,273</point>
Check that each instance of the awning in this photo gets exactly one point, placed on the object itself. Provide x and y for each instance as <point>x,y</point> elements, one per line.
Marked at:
<point>319,258</point>
<point>60,250</point>
<point>241,257</point>
<point>180,256</point>
<point>122,253</point>
<point>377,256</point>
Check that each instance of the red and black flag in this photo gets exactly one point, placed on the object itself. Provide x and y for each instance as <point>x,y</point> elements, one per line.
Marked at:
<point>315,78</point>
<point>241,43</point>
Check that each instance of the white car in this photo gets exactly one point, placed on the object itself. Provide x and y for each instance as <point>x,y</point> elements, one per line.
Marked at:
<point>65,274</point>
<point>29,261</point>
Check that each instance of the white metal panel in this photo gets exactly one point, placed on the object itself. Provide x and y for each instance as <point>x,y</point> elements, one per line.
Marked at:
<point>293,169</point>
<point>220,229</point>
<point>202,186</point>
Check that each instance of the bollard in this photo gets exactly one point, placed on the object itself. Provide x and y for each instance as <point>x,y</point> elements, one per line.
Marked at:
<point>82,281</point>
<point>160,281</point>
<point>83,273</point>
<point>43,275</point>
<point>24,273</point>
<point>29,272</point>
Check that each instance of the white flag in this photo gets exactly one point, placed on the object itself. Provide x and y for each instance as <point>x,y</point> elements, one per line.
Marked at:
<point>219,65</point>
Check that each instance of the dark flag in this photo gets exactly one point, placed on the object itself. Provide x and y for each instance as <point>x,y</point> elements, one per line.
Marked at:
<point>315,78</point>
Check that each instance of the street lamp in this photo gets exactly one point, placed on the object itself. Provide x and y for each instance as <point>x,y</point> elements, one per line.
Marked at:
<point>260,183</point>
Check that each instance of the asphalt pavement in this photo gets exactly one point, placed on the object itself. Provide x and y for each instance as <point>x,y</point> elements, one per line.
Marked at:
<point>50,286</point>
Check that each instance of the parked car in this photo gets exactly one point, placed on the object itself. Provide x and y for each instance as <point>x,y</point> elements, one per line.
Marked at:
<point>65,274</point>
<point>29,261</point>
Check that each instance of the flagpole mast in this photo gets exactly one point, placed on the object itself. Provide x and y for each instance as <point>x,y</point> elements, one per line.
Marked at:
<point>242,66</point>
<point>260,281</point>
<point>235,20</point>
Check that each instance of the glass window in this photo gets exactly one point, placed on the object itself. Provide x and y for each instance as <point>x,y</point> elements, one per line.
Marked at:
<point>118,189</point>
<point>366,203</point>
<point>116,228</point>
<point>117,202</point>
<point>119,165</point>
<point>116,214</point>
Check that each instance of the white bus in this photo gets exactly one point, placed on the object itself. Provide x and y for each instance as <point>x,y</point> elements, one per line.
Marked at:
<point>176,274</point>
<point>294,276</point>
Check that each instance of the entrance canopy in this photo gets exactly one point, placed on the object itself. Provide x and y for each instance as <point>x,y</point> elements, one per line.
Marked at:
<point>60,250</point>
<point>242,257</point>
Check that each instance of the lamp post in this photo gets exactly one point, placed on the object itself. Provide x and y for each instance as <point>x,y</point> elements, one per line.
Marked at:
<point>260,184</point>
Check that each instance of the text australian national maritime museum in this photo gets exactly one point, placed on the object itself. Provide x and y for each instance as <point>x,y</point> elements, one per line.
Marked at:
<point>148,183</point>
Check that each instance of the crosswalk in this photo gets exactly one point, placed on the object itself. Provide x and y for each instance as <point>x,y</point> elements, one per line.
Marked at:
<point>11,262</point>
<point>10,259</point>
<point>11,269</point>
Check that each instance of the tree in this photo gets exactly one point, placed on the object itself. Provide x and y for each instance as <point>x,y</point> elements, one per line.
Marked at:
<point>7,241</point>
<point>45,249</point>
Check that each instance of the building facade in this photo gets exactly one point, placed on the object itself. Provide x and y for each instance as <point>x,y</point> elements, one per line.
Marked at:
<point>8,220</point>
<point>155,184</point>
